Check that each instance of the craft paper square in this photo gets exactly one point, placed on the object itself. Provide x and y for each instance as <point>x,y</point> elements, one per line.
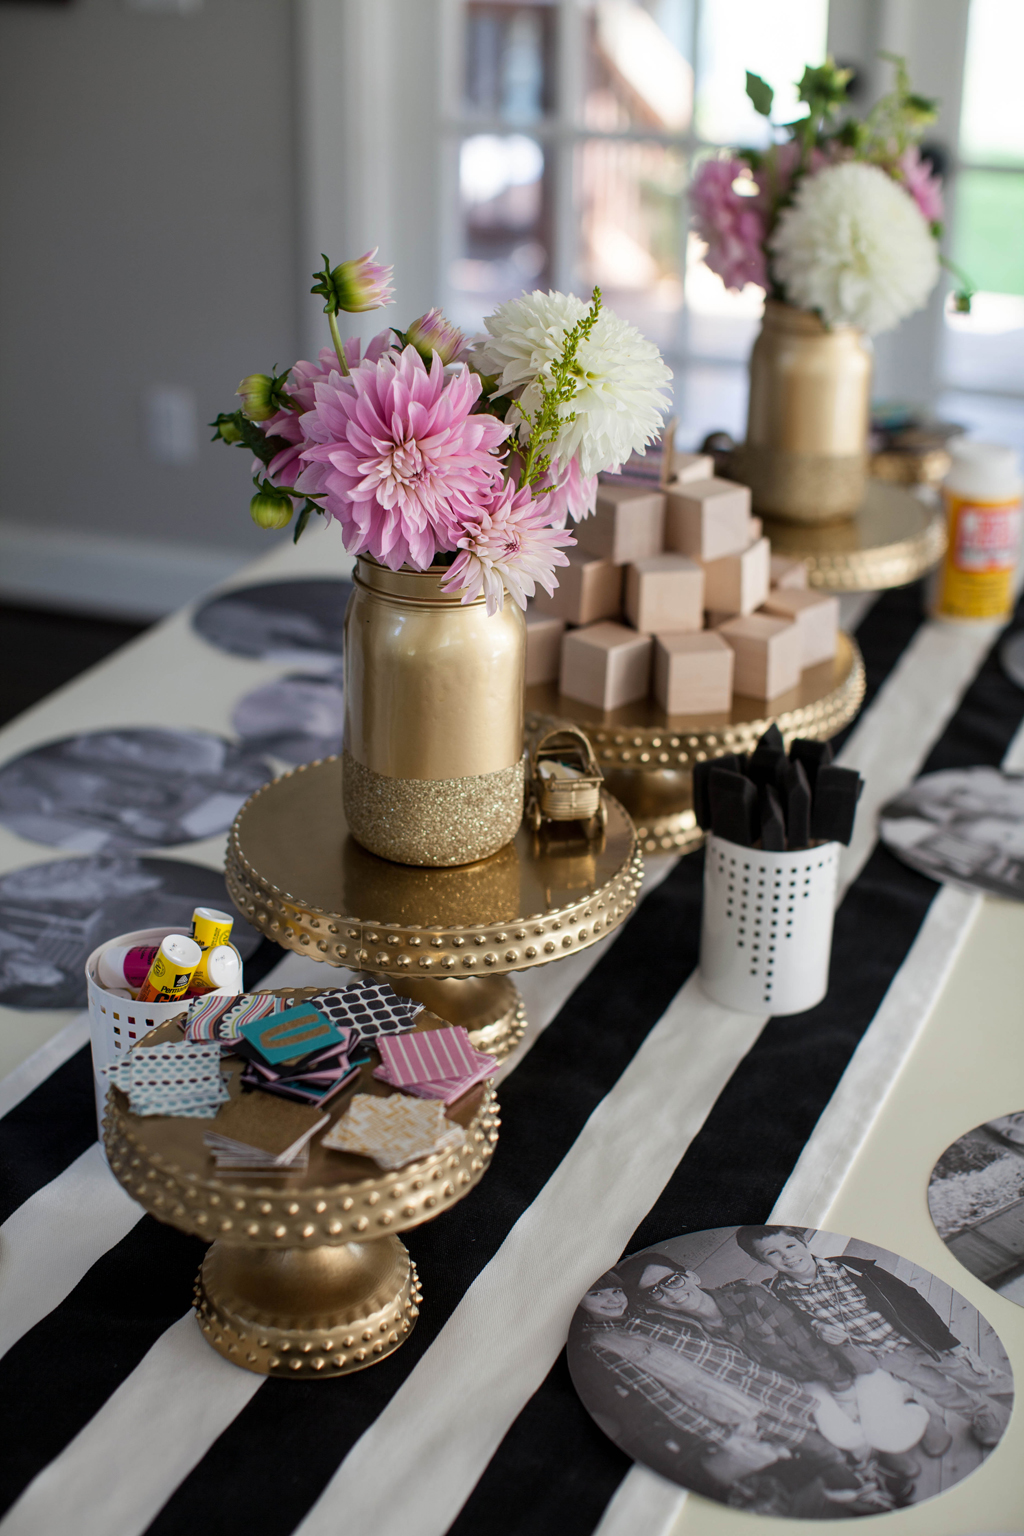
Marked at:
<point>273,1128</point>
<point>392,1131</point>
<point>427,1057</point>
<point>171,1079</point>
<point>294,1032</point>
<point>371,1008</point>
<point>211,1021</point>
<point>448,1089</point>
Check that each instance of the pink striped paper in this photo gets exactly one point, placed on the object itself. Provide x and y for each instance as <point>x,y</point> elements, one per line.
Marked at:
<point>428,1057</point>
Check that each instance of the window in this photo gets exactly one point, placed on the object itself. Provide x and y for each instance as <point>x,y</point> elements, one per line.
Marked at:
<point>571,133</point>
<point>983,353</point>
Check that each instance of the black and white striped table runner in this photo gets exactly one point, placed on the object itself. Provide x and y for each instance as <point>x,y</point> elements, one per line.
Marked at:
<point>640,1110</point>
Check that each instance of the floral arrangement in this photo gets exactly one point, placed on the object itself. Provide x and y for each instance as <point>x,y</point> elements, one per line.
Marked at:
<point>841,216</point>
<point>427,451</point>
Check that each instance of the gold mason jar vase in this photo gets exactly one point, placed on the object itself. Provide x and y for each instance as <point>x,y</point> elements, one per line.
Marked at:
<point>433,756</point>
<point>805,457</point>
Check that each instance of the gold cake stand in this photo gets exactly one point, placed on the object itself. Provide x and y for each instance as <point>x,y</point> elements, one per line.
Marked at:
<point>306,1277</point>
<point>448,938</point>
<point>892,539</point>
<point>647,756</point>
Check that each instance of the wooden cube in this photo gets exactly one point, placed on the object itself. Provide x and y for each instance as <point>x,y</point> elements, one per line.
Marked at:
<point>787,573</point>
<point>543,647</point>
<point>693,673</point>
<point>768,655</point>
<point>665,592</point>
<point>755,529</point>
<point>738,584</point>
<point>588,589</point>
<point>707,519</point>
<point>692,466</point>
<point>605,665</point>
<point>628,525</point>
<point>816,616</point>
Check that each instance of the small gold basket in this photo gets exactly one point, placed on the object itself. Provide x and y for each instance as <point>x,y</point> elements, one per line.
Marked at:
<point>571,789</point>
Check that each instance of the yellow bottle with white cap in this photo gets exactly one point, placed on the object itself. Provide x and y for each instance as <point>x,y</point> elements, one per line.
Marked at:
<point>982,496</point>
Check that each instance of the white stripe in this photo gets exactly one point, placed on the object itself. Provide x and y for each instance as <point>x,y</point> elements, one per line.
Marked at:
<point>35,1069</point>
<point>55,1237</point>
<point>174,1404</point>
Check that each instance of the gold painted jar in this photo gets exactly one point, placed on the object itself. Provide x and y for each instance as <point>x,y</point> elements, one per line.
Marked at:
<point>805,457</point>
<point>433,756</point>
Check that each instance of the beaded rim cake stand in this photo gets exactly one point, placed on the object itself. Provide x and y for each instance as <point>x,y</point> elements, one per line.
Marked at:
<point>647,757</point>
<point>448,938</point>
<point>306,1277</point>
<point>893,538</point>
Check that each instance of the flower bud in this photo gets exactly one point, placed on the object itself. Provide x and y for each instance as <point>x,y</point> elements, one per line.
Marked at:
<point>225,428</point>
<point>270,508</point>
<point>256,391</point>
<point>433,333</point>
<point>354,286</point>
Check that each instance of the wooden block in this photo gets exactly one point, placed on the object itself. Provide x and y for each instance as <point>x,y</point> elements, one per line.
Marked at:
<point>707,519</point>
<point>605,665</point>
<point>588,589</point>
<point>693,673</point>
<point>543,647</point>
<point>816,616</point>
<point>755,529</point>
<point>628,525</point>
<point>665,592</point>
<point>738,584</point>
<point>787,573</point>
<point>768,655</point>
<point>692,466</point>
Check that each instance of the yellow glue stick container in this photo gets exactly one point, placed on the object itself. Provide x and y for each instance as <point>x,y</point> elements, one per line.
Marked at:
<point>982,497</point>
<point>172,970</point>
<point>210,929</point>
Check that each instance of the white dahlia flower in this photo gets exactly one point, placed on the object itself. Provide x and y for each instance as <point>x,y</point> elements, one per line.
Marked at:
<point>618,406</point>
<point>855,247</point>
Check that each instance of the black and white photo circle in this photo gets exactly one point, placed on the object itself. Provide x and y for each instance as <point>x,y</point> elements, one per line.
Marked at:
<point>790,1372</point>
<point>295,622</point>
<point>53,915</point>
<point>962,825</point>
<point>976,1197</point>
<point>128,789</point>
<point>295,718</point>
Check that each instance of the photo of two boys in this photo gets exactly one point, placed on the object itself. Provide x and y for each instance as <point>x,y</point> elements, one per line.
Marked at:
<point>794,1373</point>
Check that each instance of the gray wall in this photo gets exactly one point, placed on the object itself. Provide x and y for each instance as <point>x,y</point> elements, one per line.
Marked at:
<point>149,207</point>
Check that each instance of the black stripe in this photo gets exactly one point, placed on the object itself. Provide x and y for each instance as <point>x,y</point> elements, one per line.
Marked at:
<point>65,1368</point>
<point>43,1135</point>
<point>736,1166</point>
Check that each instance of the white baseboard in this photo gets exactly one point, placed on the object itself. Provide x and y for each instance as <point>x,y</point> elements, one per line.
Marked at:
<point>99,574</point>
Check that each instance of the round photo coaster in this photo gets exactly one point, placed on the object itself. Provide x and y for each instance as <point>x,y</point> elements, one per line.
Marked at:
<point>53,915</point>
<point>964,826</point>
<point>976,1198</point>
<point>128,789</point>
<point>790,1372</point>
<point>297,718</point>
<point>296,622</point>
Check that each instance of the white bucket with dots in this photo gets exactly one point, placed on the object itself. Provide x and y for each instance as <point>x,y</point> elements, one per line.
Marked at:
<point>766,930</point>
<point>116,1023</point>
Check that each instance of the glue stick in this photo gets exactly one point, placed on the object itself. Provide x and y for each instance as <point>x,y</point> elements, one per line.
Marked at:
<point>171,971</point>
<point>982,496</point>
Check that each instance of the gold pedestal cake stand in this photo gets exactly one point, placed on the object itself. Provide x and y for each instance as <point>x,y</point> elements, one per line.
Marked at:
<point>891,540</point>
<point>647,756</point>
<point>306,1277</point>
<point>448,938</point>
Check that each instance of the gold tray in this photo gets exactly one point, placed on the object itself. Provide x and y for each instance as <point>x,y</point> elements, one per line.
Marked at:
<point>299,877</point>
<point>647,756</point>
<point>893,538</point>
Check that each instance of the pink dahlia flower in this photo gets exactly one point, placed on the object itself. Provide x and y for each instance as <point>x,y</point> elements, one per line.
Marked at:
<point>507,545</point>
<point>732,226</point>
<point>574,494</point>
<point>393,447</point>
<point>302,381</point>
<point>433,333</point>
<point>923,185</point>
<point>362,284</point>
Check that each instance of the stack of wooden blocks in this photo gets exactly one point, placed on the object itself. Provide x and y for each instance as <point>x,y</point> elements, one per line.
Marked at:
<point>674,591</point>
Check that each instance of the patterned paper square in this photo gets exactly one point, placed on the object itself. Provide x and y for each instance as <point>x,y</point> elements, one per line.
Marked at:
<point>171,1079</point>
<point>370,1008</point>
<point>392,1131</point>
<point>428,1057</point>
<point>208,1020</point>
<point>292,1033</point>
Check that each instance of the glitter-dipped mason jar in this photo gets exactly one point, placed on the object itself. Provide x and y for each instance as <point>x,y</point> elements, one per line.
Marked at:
<point>432,768</point>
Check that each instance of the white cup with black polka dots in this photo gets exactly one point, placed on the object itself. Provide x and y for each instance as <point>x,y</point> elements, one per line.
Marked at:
<point>766,928</point>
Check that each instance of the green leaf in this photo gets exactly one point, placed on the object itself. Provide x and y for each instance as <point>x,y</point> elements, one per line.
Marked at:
<point>760,93</point>
<point>301,521</point>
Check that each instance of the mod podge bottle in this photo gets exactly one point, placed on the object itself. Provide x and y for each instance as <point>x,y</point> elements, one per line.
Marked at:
<point>982,497</point>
